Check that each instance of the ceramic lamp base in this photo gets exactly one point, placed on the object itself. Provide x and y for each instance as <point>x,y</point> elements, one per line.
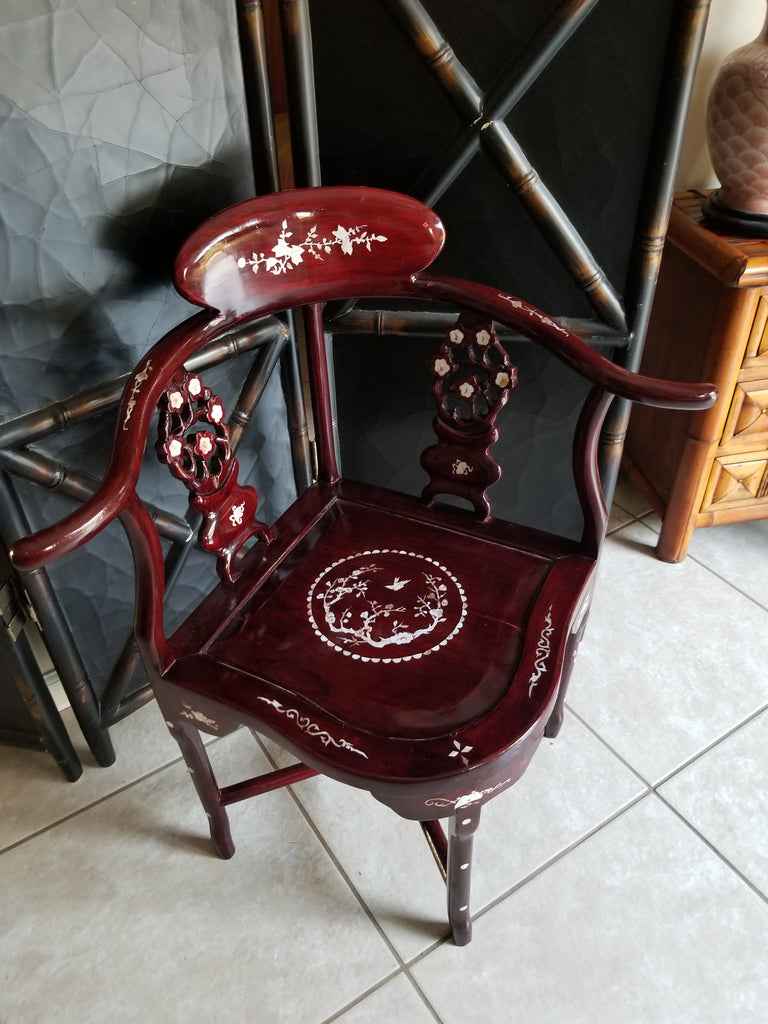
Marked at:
<point>737,222</point>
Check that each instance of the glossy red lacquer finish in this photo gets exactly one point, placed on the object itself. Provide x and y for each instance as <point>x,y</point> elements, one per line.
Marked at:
<point>193,441</point>
<point>311,245</point>
<point>397,644</point>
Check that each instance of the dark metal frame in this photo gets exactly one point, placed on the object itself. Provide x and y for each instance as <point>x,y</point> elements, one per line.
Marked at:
<point>621,326</point>
<point>34,596</point>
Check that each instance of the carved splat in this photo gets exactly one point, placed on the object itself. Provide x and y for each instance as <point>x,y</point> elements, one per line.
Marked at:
<point>193,441</point>
<point>472,380</point>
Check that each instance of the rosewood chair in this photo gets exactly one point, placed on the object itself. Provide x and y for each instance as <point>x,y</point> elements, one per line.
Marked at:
<point>399,644</point>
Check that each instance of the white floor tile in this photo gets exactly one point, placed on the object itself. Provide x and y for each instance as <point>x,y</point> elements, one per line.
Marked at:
<point>739,553</point>
<point>673,657</point>
<point>385,857</point>
<point>397,1002</point>
<point>629,499</point>
<point>572,786</point>
<point>618,517</point>
<point>724,794</point>
<point>640,923</point>
<point>123,913</point>
<point>117,909</point>
<point>34,793</point>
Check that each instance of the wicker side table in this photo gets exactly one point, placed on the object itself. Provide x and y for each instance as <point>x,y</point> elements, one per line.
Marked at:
<point>709,322</point>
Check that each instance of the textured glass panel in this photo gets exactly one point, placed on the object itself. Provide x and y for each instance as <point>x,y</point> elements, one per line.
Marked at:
<point>122,126</point>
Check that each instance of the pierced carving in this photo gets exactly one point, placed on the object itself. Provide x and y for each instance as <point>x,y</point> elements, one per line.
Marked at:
<point>472,378</point>
<point>193,441</point>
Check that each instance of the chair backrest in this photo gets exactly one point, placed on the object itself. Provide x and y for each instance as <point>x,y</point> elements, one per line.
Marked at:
<point>313,245</point>
<point>304,247</point>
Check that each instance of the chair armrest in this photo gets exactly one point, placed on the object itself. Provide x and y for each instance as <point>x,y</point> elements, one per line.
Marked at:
<point>80,526</point>
<point>565,345</point>
<point>140,396</point>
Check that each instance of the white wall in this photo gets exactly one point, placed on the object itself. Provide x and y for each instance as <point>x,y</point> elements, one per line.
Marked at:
<point>731,23</point>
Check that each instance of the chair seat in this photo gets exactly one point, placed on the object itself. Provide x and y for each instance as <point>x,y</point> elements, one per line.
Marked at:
<point>416,617</point>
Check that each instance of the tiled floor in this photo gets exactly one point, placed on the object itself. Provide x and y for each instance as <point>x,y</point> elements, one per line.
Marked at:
<point>625,878</point>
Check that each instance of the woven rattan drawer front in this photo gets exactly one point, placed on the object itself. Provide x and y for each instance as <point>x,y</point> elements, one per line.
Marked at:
<point>756,352</point>
<point>746,426</point>
<point>737,481</point>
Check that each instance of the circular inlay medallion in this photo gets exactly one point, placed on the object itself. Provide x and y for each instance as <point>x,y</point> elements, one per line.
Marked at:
<point>386,606</point>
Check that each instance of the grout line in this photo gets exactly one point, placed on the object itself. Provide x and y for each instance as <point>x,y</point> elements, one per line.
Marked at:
<point>338,1014</point>
<point>650,790</point>
<point>89,806</point>
<point>428,1005</point>
<point>336,863</point>
<point>729,583</point>
<point>559,856</point>
<point>402,964</point>
<point>751,885</point>
<point>640,519</point>
<point>102,799</point>
<point>402,967</point>
<point>650,793</point>
<point>653,788</point>
<point>612,531</point>
<point>604,743</point>
<point>402,971</point>
<point>710,746</point>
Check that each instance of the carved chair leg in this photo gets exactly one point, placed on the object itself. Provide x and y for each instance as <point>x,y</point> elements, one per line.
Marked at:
<point>555,720</point>
<point>199,768</point>
<point>461,831</point>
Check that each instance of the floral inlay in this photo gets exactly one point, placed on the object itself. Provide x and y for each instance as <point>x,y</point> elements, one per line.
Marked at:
<point>197,716</point>
<point>237,513</point>
<point>460,752</point>
<point>543,651</point>
<point>138,380</point>
<point>305,724</point>
<point>384,600</point>
<point>288,253</point>
<point>532,312</point>
<point>467,799</point>
<point>204,444</point>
